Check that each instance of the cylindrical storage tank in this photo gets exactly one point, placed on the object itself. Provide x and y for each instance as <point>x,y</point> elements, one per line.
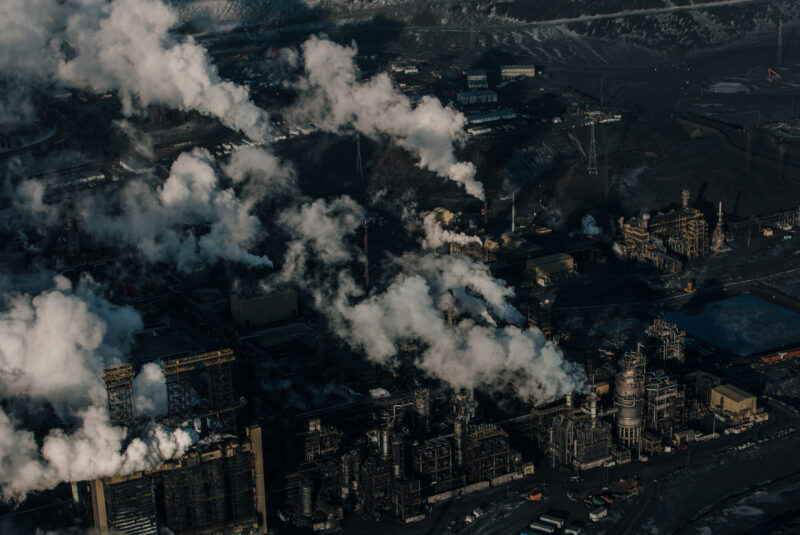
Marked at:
<point>307,500</point>
<point>629,399</point>
<point>385,453</point>
<point>397,457</point>
<point>422,402</point>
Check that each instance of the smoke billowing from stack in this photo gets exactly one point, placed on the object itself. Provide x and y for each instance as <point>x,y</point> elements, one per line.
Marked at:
<point>53,349</point>
<point>436,236</point>
<point>333,98</point>
<point>198,216</point>
<point>484,348</point>
<point>122,45</point>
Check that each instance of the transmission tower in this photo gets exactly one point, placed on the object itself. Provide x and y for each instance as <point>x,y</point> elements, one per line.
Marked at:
<point>591,165</point>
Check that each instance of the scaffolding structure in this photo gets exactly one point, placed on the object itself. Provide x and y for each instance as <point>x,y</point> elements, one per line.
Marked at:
<point>433,462</point>
<point>321,441</point>
<point>119,387</point>
<point>407,500</point>
<point>665,405</point>
<point>206,491</point>
<point>375,488</point>
<point>201,387</point>
<point>488,454</point>
<point>666,341</point>
<point>578,438</point>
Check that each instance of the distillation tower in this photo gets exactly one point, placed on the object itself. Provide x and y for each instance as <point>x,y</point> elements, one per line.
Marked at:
<point>629,398</point>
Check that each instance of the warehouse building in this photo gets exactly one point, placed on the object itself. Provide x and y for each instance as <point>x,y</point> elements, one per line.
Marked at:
<point>476,79</point>
<point>733,404</point>
<point>510,72</point>
<point>478,96</point>
<point>547,270</point>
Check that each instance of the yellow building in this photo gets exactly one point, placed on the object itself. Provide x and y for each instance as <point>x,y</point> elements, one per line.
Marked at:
<point>546,269</point>
<point>733,403</point>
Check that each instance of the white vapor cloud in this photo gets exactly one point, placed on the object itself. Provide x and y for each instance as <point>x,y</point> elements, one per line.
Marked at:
<point>334,98</point>
<point>589,227</point>
<point>483,348</point>
<point>123,45</point>
<point>161,221</point>
<point>54,347</point>
<point>436,236</point>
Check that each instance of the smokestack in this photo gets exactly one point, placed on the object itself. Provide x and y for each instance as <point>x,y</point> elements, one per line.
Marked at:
<point>513,211</point>
<point>366,256</point>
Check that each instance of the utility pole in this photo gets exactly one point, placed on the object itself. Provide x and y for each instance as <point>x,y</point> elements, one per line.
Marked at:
<point>359,163</point>
<point>513,210</point>
<point>591,165</point>
<point>366,256</point>
<point>780,42</point>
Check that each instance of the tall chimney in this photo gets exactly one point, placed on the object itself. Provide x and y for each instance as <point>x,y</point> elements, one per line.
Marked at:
<point>366,256</point>
<point>513,211</point>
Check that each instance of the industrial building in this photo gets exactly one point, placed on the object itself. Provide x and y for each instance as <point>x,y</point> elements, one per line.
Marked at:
<point>264,309</point>
<point>391,475</point>
<point>658,239</point>
<point>510,72</point>
<point>476,79</point>
<point>492,116</point>
<point>734,404</point>
<point>665,342</point>
<point>579,439</point>
<point>547,270</point>
<point>478,96</point>
<point>629,398</point>
<point>216,487</point>
<point>665,412</point>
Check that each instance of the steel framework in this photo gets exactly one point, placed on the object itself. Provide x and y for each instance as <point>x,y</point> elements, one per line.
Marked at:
<point>219,408</point>
<point>119,387</point>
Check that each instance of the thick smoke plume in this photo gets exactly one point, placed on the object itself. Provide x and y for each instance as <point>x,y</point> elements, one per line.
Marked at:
<point>334,98</point>
<point>436,236</point>
<point>53,349</point>
<point>122,45</point>
<point>480,345</point>
<point>162,221</point>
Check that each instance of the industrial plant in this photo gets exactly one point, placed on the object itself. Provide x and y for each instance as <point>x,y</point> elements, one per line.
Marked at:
<point>296,267</point>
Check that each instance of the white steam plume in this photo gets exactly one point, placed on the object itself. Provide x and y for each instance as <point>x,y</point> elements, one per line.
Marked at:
<point>334,98</point>
<point>123,45</point>
<point>589,227</point>
<point>160,221</point>
<point>436,236</point>
<point>475,352</point>
<point>53,349</point>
